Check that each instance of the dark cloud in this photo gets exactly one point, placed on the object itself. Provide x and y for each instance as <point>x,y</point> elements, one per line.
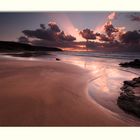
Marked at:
<point>42,42</point>
<point>131,37</point>
<point>109,33</point>
<point>103,37</point>
<point>61,44</point>
<point>54,27</point>
<point>23,39</point>
<point>62,36</point>
<point>52,33</point>
<point>43,26</point>
<point>41,34</point>
<point>134,18</point>
<point>109,29</point>
<point>97,34</point>
<point>88,34</point>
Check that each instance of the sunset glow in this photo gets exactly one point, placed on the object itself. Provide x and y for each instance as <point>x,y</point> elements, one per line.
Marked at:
<point>69,68</point>
<point>80,48</point>
<point>69,30</point>
<point>67,26</point>
<point>108,20</point>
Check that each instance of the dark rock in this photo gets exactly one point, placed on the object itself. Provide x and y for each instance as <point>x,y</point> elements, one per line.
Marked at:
<point>133,64</point>
<point>137,85</point>
<point>137,79</point>
<point>127,100</point>
<point>57,59</point>
<point>130,83</point>
<point>124,87</point>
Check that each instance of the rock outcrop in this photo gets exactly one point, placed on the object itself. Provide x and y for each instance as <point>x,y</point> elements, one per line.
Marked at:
<point>133,64</point>
<point>129,99</point>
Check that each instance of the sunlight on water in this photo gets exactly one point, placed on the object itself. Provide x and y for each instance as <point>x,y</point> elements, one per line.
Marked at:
<point>105,81</point>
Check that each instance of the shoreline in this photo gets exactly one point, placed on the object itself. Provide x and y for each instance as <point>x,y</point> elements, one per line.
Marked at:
<point>35,93</point>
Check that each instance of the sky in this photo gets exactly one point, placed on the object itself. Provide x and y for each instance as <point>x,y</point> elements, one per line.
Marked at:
<point>12,24</point>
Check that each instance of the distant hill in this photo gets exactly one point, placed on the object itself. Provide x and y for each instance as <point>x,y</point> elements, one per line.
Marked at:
<point>9,46</point>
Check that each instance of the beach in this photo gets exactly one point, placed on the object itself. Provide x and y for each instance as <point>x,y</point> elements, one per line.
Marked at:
<point>49,93</point>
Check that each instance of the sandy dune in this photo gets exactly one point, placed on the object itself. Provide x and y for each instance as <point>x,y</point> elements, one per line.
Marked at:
<point>48,94</point>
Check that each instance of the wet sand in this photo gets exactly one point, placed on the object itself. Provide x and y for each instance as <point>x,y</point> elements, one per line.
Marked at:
<point>35,93</point>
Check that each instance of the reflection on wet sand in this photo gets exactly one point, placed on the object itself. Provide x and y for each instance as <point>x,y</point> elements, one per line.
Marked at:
<point>106,78</point>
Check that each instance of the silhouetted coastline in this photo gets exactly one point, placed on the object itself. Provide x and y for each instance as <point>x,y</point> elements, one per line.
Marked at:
<point>15,46</point>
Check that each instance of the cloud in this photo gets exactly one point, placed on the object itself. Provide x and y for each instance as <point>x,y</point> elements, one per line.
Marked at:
<point>112,16</point>
<point>52,33</point>
<point>110,29</point>
<point>108,32</point>
<point>40,33</point>
<point>134,18</point>
<point>112,32</point>
<point>88,34</point>
<point>103,37</point>
<point>63,37</point>
<point>23,39</point>
<point>131,37</point>
<point>43,26</point>
<point>109,19</point>
<point>61,44</point>
<point>54,27</point>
